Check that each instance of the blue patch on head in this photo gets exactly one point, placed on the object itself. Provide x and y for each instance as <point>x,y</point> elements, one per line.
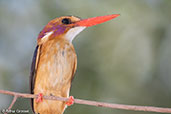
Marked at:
<point>58,29</point>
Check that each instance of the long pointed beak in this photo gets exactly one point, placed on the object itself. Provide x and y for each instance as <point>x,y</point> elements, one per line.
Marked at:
<point>95,20</point>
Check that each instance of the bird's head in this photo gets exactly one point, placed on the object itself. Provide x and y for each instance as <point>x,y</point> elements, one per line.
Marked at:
<point>69,26</point>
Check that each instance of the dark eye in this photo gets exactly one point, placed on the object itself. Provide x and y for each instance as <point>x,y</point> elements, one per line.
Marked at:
<point>66,21</point>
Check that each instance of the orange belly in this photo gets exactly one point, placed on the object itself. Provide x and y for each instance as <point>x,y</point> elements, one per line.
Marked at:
<point>57,64</point>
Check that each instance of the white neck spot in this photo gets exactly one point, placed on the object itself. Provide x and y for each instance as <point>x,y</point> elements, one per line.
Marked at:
<point>45,38</point>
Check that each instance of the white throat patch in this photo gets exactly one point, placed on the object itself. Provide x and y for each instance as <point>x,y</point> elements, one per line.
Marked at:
<point>70,35</point>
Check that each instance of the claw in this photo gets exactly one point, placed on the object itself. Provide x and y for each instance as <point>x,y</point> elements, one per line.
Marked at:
<point>70,101</point>
<point>39,98</point>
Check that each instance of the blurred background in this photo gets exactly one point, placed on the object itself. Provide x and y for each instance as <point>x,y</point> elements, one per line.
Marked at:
<point>126,60</point>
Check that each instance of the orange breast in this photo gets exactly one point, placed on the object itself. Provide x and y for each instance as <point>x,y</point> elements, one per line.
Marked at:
<point>57,64</point>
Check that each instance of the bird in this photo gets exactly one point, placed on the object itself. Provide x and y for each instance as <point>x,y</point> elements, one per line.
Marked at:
<point>54,62</point>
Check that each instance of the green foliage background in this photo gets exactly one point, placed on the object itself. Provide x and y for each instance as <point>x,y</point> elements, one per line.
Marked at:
<point>126,60</point>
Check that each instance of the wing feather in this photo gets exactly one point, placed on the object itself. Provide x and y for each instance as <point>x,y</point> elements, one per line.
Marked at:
<point>34,64</point>
<point>74,68</point>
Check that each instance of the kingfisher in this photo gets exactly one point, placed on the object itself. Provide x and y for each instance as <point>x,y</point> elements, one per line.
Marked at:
<point>55,61</point>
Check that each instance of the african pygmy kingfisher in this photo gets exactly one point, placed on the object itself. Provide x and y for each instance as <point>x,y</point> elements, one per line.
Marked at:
<point>55,61</point>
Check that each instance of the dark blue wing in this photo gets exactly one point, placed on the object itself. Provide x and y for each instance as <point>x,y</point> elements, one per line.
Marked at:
<point>33,72</point>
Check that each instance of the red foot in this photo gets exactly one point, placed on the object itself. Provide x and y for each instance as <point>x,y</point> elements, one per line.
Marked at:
<point>39,98</point>
<point>70,101</point>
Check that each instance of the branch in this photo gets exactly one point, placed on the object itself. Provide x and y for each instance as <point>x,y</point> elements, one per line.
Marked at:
<point>87,102</point>
<point>13,102</point>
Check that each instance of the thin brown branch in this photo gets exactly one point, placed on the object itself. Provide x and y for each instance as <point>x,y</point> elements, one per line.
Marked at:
<point>13,102</point>
<point>92,103</point>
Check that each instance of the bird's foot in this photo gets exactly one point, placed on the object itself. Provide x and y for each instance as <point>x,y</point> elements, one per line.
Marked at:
<point>39,98</point>
<point>70,101</point>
